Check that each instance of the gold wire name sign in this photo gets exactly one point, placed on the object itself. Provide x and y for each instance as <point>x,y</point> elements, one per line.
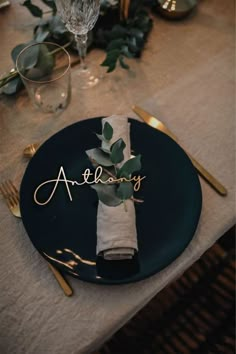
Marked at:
<point>88,177</point>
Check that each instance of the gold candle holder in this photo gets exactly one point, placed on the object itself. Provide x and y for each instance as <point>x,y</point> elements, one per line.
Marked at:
<point>124,9</point>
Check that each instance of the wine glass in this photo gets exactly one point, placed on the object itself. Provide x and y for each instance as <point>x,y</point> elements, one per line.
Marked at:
<point>79,17</point>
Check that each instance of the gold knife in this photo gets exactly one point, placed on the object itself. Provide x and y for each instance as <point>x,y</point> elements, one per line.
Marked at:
<point>155,123</point>
<point>61,280</point>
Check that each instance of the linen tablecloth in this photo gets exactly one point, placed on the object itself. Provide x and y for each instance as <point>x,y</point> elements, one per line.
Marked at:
<point>186,78</point>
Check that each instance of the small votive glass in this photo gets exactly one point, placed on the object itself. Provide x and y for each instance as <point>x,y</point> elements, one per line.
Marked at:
<point>45,71</point>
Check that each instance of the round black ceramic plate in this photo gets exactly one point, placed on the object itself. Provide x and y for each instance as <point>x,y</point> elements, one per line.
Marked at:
<point>64,231</point>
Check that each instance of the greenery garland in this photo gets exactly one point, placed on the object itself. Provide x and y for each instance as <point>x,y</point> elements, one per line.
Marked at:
<point>120,39</point>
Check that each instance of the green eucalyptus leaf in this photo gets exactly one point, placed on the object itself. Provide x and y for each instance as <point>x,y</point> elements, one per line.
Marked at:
<point>34,10</point>
<point>45,61</point>
<point>100,157</point>
<point>132,44</point>
<point>107,131</point>
<point>105,149</point>
<point>43,22</point>
<point>100,137</point>
<point>125,50</point>
<point>41,33</point>
<point>56,26</point>
<point>111,170</point>
<point>111,59</point>
<point>117,149</point>
<point>117,31</point>
<point>16,51</point>
<point>143,21</point>
<point>31,59</point>
<point>123,64</point>
<point>125,190</point>
<point>35,74</point>
<point>130,166</point>
<point>136,32</point>
<point>111,67</point>
<point>105,144</point>
<point>12,86</point>
<point>107,194</point>
<point>115,44</point>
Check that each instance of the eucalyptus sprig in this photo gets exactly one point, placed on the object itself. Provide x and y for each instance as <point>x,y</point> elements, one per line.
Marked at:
<point>120,39</point>
<point>110,157</point>
<point>124,40</point>
<point>38,63</point>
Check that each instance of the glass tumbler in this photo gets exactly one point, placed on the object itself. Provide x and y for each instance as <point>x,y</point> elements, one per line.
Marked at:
<point>45,71</point>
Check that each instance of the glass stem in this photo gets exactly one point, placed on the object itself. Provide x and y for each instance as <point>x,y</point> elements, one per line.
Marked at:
<point>81,43</point>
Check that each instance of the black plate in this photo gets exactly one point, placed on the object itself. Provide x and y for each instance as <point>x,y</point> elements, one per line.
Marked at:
<point>64,232</point>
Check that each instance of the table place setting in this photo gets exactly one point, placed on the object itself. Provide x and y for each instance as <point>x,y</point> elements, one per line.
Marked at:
<point>112,186</point>
<point>111,247</point>
<point>107,247</point>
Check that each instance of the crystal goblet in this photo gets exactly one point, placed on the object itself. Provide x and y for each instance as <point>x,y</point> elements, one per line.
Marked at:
<point>79,17</point>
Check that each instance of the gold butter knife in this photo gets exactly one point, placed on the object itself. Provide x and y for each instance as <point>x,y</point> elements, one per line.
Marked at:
<point>155,123</point>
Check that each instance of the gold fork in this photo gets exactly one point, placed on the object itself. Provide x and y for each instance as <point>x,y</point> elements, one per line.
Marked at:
<point>11,196</point>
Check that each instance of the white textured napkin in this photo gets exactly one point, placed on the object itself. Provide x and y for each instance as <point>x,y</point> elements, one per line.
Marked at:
<point>116,227</point>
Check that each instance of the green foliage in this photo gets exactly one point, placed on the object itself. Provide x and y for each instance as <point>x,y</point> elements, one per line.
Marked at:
<point>130,166</point>
<point>12,86</point>
<point>117,149</point>
<point>100,157</point>
<point>46,60</point>
<point>30,61</point>
<point>107,131</point>
<point>121,40</point>
<point>114,193</point>
<point>111,60</point>
<point>34,10</point>
<point>125,40</point>
<point>16,51</point>
<point>125,190</point>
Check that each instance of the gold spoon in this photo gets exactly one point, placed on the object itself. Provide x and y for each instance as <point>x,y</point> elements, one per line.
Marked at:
<point>30,150</point>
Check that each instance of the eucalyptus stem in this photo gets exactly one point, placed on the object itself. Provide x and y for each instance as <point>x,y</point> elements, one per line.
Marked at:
<point>104,169</point>
<point>4,80</point>
<point>137,200</point>
<point>59,49</point>
<point>113,176</point>
<point>47,12</point>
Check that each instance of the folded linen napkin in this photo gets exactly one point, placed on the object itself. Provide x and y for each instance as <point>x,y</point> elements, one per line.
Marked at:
<point>116,227</point>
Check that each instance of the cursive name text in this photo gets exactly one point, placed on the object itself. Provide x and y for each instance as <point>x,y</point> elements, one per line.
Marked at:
<point>88,178</point>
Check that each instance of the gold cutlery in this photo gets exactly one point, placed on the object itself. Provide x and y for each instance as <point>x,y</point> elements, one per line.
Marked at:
<point>155,123</point>
<point>11,196</point>
<point>61,280</point>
